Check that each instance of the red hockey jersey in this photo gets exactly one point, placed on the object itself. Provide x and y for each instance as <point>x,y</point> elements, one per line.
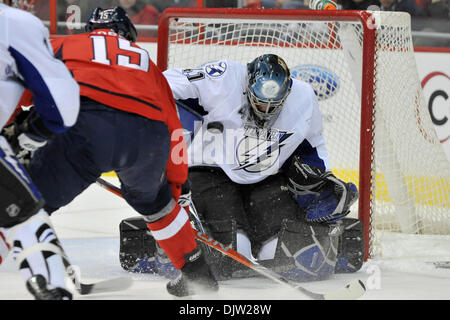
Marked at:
<point>115,72</point>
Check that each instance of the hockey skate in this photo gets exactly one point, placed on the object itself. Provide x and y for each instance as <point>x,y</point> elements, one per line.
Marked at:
<point>37,286</point>
<point>196,277</point>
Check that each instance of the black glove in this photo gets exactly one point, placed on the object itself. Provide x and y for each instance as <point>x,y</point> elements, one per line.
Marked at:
<point>26,133</point>
<point>185,198</point>
<point>304,178</point>
<point>324,197</point>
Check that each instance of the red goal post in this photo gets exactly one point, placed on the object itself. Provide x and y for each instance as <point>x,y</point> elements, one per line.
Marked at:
<point>368,54</point>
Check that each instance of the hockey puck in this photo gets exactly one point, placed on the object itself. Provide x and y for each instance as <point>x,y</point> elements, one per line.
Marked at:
<point>215,127</point>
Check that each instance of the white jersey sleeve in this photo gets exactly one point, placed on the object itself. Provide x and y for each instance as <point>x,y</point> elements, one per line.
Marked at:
<point>26,58</point>
<point>218,85</point>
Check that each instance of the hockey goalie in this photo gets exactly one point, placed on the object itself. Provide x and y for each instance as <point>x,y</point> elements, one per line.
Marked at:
<point>259,176</point>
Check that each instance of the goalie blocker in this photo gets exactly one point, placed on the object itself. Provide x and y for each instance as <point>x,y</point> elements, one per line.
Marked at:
<point>304,251</point>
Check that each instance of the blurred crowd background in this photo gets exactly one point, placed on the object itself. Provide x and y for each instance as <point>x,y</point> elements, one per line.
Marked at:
<point>430,18</point>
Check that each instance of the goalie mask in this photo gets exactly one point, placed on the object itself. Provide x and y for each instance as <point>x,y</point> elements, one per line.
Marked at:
<point>115,19</point>
<point>268,86</point>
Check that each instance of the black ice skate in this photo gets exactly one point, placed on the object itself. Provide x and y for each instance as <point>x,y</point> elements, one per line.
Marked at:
<point>195,277</point>
<point>37,286</point>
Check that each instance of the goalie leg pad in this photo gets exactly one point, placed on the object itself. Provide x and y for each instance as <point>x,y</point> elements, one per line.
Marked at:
<point>268,204</point>
<point>165,267</point>
<point>224,231</point>
<point>137,246</point>
<point>305,251</point>
<point>217,198</point>
<point>351,247</point>
<point>222,266</point>
<point>19,198</point>
<point>139,251</point>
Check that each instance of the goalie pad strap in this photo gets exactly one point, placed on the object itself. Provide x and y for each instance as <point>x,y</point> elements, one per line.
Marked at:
<point>38,217</point>
<point>39,247</point>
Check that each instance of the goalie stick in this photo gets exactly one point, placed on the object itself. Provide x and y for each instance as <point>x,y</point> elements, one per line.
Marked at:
<point>353,290</point>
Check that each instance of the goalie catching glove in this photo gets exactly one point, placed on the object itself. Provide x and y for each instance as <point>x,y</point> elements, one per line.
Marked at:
<point>324,197</point>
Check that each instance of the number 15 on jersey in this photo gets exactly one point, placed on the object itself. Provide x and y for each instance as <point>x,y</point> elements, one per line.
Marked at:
<point>118,52</point>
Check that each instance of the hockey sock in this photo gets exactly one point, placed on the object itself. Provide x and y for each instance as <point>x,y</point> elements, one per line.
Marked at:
<point>174,235</point>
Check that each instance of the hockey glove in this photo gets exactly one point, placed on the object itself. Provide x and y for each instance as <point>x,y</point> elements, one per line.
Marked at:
<point>185,199</point>
<point>26,134</point>
<point>333,202</point>
<point>305,179</point>
<point>320,193</point>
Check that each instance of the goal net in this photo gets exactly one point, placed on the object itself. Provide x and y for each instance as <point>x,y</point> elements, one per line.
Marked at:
<point>362,67</point>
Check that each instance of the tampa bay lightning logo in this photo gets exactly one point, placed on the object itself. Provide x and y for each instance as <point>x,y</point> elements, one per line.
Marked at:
<point>259,149</point>
<point>216,69</point>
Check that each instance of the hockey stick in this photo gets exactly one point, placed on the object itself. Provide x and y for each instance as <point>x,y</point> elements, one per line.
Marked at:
<point>102,286</point>
<point>73,272</point>
<point>193,212</point>
<point>354,290</point>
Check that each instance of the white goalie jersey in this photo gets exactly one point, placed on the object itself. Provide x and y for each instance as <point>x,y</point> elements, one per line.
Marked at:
<point>26,59</point>
<point>225,137</point>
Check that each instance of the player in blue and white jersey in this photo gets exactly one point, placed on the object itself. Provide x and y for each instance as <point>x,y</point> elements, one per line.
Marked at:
<point>259,169</point>
<point>27,62</point>
<point>259,153</point>
<point>254,143</point>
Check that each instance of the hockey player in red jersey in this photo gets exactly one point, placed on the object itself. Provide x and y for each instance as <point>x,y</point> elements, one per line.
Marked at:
<point>128,123</point>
